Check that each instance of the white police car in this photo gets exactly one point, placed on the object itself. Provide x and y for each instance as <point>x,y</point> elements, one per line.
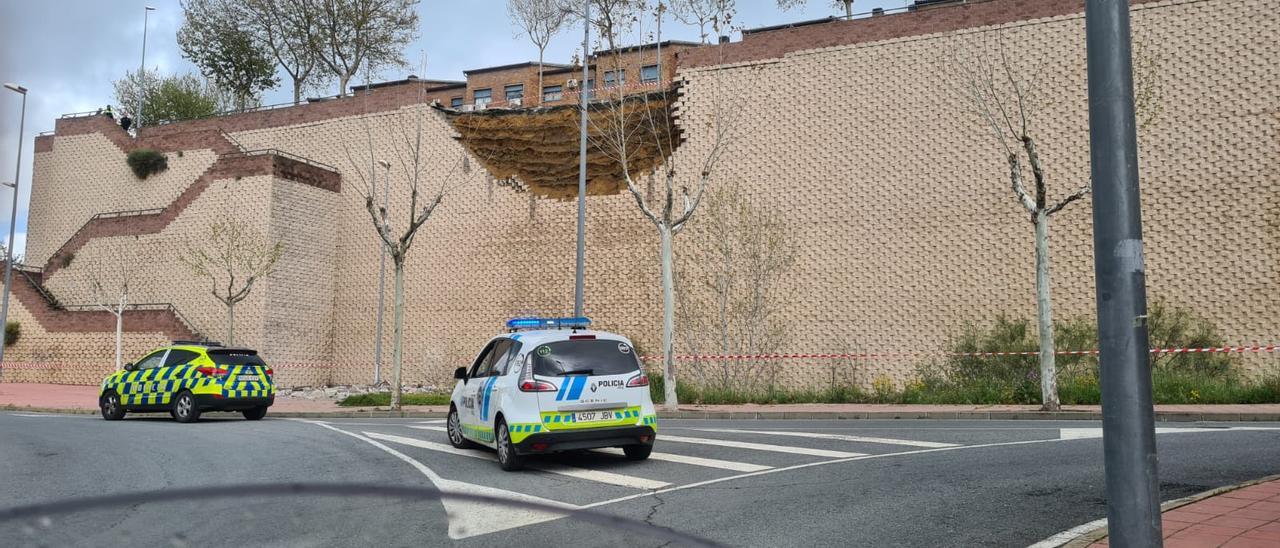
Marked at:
<point>552,385</point>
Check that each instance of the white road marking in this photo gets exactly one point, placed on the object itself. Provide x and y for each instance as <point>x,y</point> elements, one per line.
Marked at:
<point>842,437</point>
<point>433,428</point>
<point>471,518</point>
<point>762,447</point>
<point>1089,433</point>
<point>596,475</point>
<point>432,421</point>
<point>1069,535</point>
<point>554,468</point>
<point>45,415</point>
<point>695,461</point>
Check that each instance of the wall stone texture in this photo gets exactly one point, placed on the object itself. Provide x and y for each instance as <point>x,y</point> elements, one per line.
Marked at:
<point>897,197</point>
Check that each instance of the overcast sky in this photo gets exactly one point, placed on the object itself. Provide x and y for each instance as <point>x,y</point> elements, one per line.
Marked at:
<point>68,53</point>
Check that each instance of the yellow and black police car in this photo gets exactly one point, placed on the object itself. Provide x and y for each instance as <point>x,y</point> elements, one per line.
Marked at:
<point>187,378</point>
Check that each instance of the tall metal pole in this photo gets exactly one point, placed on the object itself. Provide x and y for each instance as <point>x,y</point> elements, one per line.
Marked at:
<point>13,214</point>
<point>382,275</point>
<point>582,160</point>
<point>142,72</point>
<point>1128,427</point>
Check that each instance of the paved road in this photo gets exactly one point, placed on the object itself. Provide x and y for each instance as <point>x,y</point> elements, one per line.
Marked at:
<point>742,483</point>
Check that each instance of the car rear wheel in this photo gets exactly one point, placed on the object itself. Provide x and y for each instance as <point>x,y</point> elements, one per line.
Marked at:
<point>256,413</point>
<point>454,428</point>
<point>185,408</point>
<point>637,452</point>
<point>111,408</point>
<point>507,457</point>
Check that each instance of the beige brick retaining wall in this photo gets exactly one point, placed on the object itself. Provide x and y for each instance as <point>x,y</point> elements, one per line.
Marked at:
<point>904,222</point>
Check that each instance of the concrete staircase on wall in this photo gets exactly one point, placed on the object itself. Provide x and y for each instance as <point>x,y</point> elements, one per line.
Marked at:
<point>232,162</point>
<point>28,288</point>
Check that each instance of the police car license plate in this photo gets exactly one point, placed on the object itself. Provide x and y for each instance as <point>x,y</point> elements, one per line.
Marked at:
<point>248,378</point>
<point>593,416</point>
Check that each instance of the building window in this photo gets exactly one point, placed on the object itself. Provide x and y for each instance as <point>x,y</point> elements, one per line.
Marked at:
<point>552,93</point>
<point>483,96</point>
<point>455,102</point>
<point>513,91</point>
<point>648,74</point>
<point>590,89</point>
<point>615,77</point>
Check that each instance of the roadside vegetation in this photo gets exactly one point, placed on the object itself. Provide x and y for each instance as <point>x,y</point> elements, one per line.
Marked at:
<point>383,399</point>
<point>992,380</point>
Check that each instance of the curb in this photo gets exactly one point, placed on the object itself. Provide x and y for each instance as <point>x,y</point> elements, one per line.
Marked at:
<point>1072,538</point>
<point>1167,416</point>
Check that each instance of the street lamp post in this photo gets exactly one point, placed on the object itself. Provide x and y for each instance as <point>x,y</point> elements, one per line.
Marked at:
<point>13,213</point>
<point>580,267</point>
<point>382,271</point>
<point>142,71</point>
<point>1128,424</point>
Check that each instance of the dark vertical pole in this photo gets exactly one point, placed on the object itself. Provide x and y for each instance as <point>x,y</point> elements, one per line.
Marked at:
<point>580,265</point>
<point>1129,441</point>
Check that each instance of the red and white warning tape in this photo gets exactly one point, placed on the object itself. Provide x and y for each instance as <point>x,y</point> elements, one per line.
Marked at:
<point>882,355</point>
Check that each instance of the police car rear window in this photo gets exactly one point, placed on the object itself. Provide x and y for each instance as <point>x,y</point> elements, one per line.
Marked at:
<point>594,357</point>
<point>232,357</point>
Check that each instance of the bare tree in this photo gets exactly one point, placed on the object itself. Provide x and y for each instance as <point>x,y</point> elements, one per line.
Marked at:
<point>847,5</point>
<point>701,13</point>
<point>742,265</point>
<point>1003,95</point>
<point>111,278</point>
<point>231,256</point>
<point>540,20</point>
<point>351,34</point>
<point>636,133</point>
<point>405,163</point>
<point>285,27</point>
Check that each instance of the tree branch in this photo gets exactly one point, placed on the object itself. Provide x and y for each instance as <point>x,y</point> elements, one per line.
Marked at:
<point>1080,193</point>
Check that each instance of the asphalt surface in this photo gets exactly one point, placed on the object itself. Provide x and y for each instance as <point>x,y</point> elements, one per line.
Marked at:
<point>739,483</point>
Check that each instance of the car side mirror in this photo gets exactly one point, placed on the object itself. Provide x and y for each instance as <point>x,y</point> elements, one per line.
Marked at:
<point>460,374</point>
<point>129,366</point>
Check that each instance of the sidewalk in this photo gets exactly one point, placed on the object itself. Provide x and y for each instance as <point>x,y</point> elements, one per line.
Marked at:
<point>1243,518</point>
<point>84,399</point>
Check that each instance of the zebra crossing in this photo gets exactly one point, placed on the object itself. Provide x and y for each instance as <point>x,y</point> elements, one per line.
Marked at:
<point>683,455</point>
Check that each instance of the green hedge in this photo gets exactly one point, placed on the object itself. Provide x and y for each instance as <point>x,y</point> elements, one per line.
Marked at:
<point>383,399</point>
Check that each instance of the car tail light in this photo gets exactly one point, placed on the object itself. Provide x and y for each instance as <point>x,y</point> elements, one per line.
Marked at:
<point>530,384</point>
<point>638,380</point>
<point>209,371</point>
<point>271,372</point>
<point>539,446</point>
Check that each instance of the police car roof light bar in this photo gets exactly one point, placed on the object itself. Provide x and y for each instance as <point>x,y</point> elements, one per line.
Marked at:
<point>548,323</point>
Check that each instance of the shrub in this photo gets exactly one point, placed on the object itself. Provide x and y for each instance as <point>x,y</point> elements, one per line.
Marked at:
<point>1016,379</point>
<point>147,161</point>
<point>65,259</point>
<point>383,399</point>
<point>12,332</point>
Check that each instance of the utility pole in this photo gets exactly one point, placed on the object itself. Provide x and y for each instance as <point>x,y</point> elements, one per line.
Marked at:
<point>13,214</point>
<point>1128,427</point>
<point>582,161</point>
<point>142,73</point>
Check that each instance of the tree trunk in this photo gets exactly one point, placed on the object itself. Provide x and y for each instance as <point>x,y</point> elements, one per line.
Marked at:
<point>231,324</point>
<point>541,52</point>
<point>668,322</point>
<point>1048,370</point>
<point>848,10</point>
<point>342,84</point>
<point>297,91</point>
<point>119,330</point>
<point>397,334</point>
